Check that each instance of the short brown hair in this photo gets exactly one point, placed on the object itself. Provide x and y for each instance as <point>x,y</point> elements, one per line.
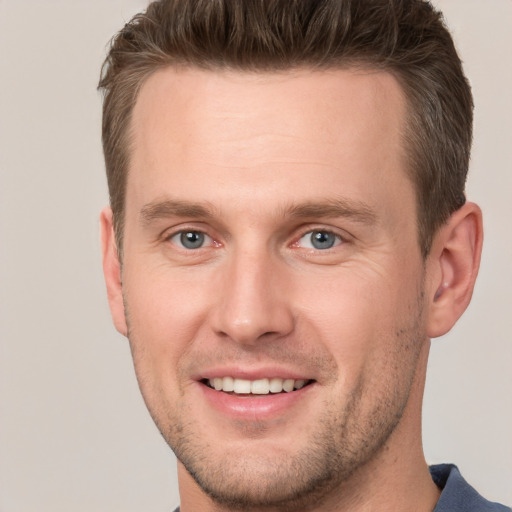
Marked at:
<point>404,37</point>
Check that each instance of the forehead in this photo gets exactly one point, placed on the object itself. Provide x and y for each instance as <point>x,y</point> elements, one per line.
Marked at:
<point>280,101</point>
<point>236,131</point>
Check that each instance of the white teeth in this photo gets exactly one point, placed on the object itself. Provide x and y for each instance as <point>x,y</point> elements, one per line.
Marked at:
<point>288,385</point>
<point>260,387</point>
<point>228,384</point>
<point>276,385</point>
<point>256,387</point>
<point>299,384</point>
<point>242,386</point>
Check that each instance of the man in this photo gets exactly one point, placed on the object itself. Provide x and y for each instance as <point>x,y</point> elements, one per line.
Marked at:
<point>287,231</point>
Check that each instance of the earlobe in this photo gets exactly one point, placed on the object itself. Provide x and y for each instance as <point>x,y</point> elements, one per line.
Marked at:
<point>452,266</point>
<point>112,271</point>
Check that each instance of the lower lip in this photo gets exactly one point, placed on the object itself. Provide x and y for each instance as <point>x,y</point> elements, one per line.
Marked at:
<point>254,407</point>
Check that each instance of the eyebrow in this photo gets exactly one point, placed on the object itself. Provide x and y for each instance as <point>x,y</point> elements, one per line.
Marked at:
<point>334,208</point>
<point>174,208</point>
<point>329,208</point>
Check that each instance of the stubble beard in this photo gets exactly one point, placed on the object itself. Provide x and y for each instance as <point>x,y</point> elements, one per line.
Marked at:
<point>345,440</point>
<point>299,481</point>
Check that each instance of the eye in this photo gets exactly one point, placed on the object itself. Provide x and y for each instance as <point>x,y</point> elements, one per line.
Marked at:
<point>319,240</point>
<point>191,239</point>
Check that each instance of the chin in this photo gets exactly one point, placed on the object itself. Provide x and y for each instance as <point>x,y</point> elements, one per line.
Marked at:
<point>240,482</point>
<point>260,472</point>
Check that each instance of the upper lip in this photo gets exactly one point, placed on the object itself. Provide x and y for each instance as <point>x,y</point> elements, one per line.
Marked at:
<point>237,372</point>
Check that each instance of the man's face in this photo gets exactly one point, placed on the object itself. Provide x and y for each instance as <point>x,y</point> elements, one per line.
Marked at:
<point>271,241</point>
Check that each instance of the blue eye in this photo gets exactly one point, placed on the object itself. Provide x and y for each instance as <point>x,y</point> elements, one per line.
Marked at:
<point>319,240</point>
<point>190,239</point>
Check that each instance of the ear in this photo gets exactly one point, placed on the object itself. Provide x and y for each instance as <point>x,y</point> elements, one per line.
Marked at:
<point>452,268</point>
<point>112,271</point>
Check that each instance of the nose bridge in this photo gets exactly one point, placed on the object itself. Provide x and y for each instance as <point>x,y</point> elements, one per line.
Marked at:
<point>253,303</point>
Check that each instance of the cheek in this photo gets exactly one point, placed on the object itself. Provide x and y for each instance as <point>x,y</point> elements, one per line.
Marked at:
<point>166,304</point>
<point>164,315</point>
<point>358,313</point>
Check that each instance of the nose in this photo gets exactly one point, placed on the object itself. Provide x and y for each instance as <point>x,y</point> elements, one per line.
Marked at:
<point>253,301</point>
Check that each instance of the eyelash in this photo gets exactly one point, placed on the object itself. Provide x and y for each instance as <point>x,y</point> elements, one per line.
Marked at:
<point>338,239</point>
<point>169,238</point>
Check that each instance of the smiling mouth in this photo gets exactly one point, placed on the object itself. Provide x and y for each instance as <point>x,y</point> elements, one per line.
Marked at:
<point>255,387</point>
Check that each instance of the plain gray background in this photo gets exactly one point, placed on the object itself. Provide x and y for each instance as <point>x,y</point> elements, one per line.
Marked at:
<point>74,433</point>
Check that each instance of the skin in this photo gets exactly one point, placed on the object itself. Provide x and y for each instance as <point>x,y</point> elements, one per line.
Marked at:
<point>257,162</point>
